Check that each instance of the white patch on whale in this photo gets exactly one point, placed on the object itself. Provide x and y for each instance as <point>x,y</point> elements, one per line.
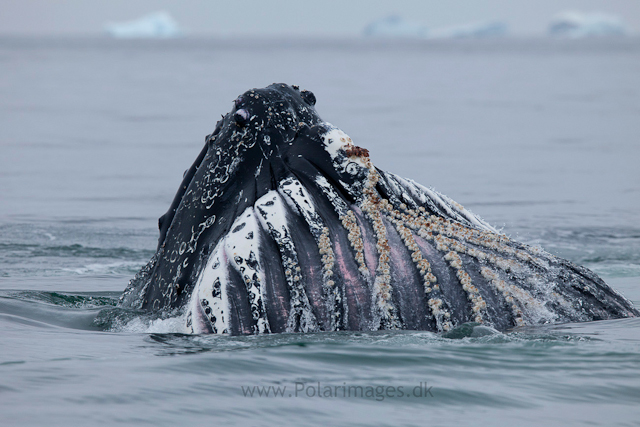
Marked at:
<point>243,252</point>
<point>211,292</point>
<point>272,215</point>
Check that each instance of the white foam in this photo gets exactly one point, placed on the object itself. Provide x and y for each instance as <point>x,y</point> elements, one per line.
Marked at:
<point>171,325</point>
<point>105,268</point>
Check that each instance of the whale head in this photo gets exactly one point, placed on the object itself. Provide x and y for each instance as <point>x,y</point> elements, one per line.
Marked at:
<point>282,224</point>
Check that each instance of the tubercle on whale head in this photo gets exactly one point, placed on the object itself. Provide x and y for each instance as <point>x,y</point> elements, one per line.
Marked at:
<point>265,116</point>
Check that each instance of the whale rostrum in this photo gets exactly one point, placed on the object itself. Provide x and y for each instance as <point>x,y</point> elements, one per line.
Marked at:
<point>283,224</point>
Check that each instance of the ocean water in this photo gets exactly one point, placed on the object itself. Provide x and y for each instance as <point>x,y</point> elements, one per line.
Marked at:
<point>539,137</point>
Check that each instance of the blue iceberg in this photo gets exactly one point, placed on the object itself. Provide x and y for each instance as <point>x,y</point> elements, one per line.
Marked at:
<point>394,26</point>
<point>471,31</point>
<point>577,25</point>
<point>154,25</point>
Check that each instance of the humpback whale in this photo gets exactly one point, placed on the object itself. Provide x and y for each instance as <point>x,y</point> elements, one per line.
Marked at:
<point>283,224</point>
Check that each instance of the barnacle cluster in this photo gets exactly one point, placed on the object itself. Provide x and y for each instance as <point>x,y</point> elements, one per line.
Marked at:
<point>452,239</point>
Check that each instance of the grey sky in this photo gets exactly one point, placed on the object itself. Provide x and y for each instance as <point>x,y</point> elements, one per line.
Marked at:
<point>293,17</point>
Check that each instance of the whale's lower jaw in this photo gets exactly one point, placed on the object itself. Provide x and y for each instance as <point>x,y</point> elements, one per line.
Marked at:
<point>302,258</point>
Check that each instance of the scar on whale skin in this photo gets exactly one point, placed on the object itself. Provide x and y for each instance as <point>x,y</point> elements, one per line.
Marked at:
<point>282,224</point>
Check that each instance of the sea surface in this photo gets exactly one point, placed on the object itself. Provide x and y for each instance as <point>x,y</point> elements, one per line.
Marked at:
<point>539,137</point>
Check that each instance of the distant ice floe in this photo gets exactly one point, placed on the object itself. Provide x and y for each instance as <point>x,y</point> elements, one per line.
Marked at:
<point>153,25</point>
<point>471,31</point>
<point>394,26</point>
<point>577,25</point>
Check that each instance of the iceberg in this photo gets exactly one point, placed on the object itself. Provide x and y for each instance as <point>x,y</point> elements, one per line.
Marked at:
<point>153,25</point>
<point>471,31</point>
<point>577,25</point>
<point>394,26</point>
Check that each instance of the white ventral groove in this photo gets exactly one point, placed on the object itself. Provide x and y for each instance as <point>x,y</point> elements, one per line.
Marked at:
<point>242,248</point>
<point>210,294</point>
